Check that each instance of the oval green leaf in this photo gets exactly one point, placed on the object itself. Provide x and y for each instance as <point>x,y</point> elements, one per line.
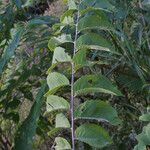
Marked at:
<point>95,83</point>
<point>56,41</point>
<point>97,110</point>
<point>60,55</point>
<point>61,121</point>
<point>62,144</point>
<point>55,81</point>
<point>56,103</point>
<point>94,41</point>
<point>93,135</point>
<point>98,20</point>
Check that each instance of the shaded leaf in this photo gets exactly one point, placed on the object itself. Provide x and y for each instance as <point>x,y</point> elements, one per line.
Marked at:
<point>93,135</point>
<point>25,133</point>
<point>98,110</point>
<point>95,83</point>
<point>97,20</point>
<point>94,41</point>
<point>132,83</point>
<point>18,3</point>
<point>102,4</point>
<point>80,58</point>
<point>41,20</point>
<point>9,51</point>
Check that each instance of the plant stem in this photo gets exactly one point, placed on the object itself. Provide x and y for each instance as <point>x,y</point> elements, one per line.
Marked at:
<point>72,109</point>
<point>72,82</point>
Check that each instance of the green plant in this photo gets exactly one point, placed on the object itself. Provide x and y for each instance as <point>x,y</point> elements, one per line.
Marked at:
<point>144,137</point>
<point>83,22</point>
<point>22,51</point>
<point>100,58</point>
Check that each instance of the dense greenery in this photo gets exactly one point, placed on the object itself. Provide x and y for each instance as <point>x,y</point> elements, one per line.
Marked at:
<point>80,81</point>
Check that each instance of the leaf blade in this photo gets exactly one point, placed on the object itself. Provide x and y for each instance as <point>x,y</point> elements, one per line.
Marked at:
<point>55,81</point>
<point>95,83</point>
<point>97,110</point>
<point>93,135</point>
<point>54,102</point>
<point>26,131</point>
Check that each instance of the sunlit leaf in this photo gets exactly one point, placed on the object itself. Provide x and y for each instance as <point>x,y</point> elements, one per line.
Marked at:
<point>54,102</point>
<point>55,81</point>
<point>62,144</point>
<point>143,138</point>
<point>62,121</point>
<point>56,41</point>
<point>72,4</point>
<point>145,117</point>
<point>60,55</point>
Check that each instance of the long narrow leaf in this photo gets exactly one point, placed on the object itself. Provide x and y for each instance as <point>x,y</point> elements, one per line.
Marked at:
<point>24,137</point>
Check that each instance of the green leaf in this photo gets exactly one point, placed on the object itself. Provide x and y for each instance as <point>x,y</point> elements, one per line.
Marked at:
<point>56,41</point>
<point>18,3</point>
<point>132,83</point>
<point>56,103</point>
<point>72,5</point>
<point>101,4</point>
<point>68,13</point>
<point>146,4</point>
<point>29,3</point>
<point>60,55</point>
<point>143,138</point>
<point>98,110</point>
<point>62,144</point>
<point>93,135</point>
<point>97,20</point>
<point>95,83</point>
<point>67,21</point>
<point>94,41</point>
<point>80,58</point>
<point>62,121</point>
<point>145,117</point>
<point>140,146</point>
<point>41,20</point>
<point>25,133</point>
<point>9,51</point>
<point>53,132</point>
<point>55,81</point>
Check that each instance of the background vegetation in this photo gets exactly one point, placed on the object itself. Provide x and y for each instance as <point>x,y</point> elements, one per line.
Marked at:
<point>117,48</point>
